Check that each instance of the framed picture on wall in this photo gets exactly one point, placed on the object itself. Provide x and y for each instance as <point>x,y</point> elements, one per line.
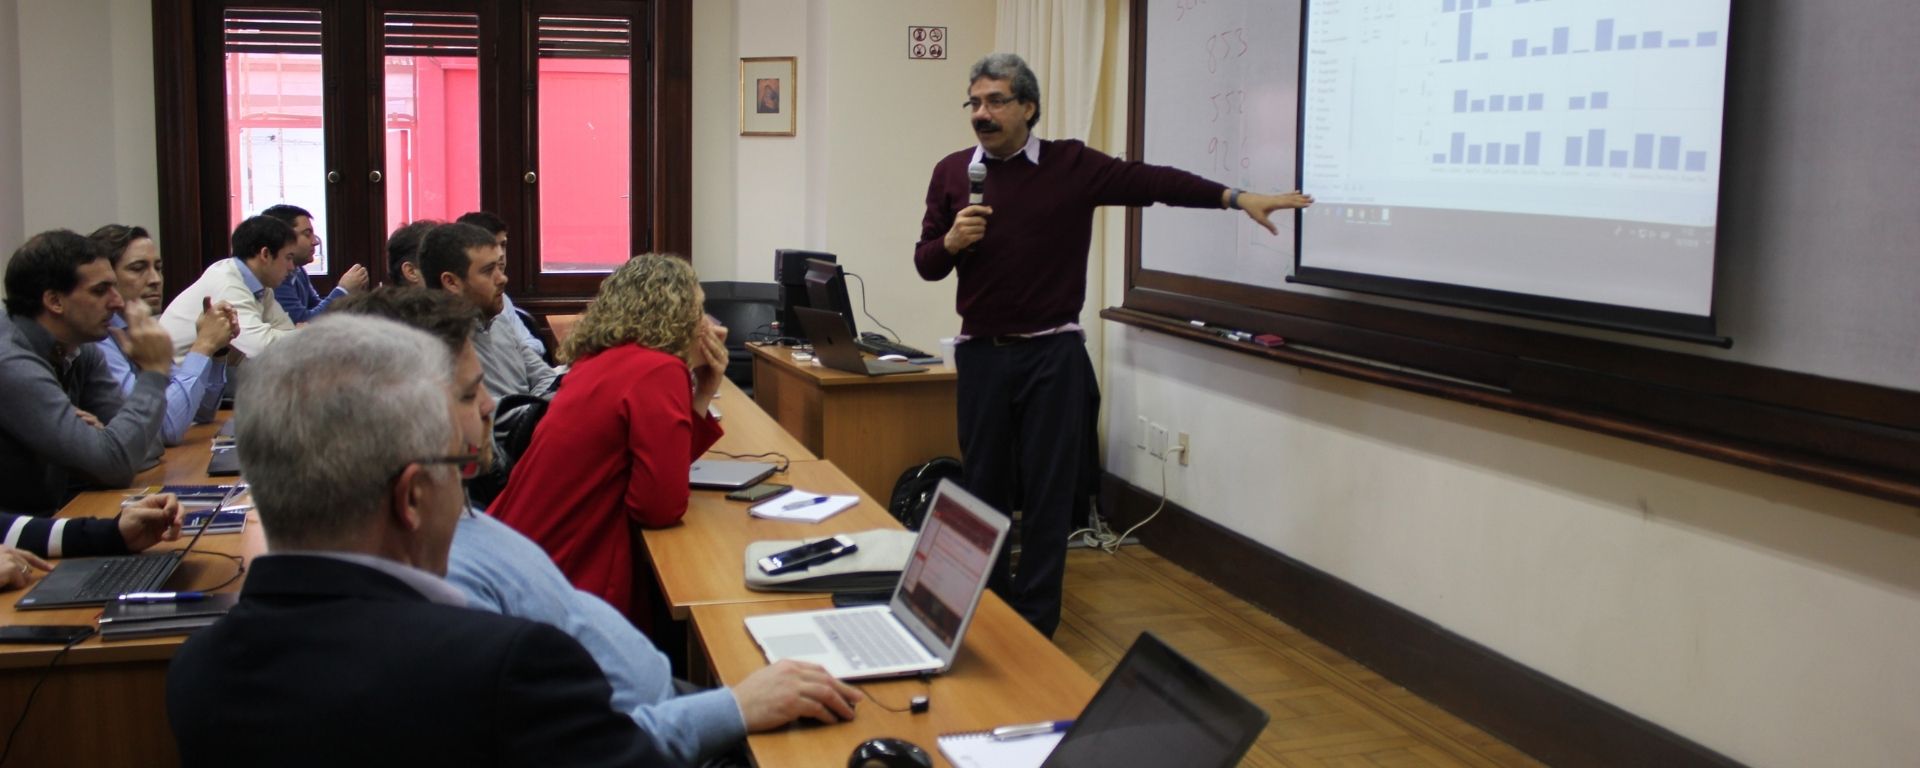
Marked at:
<point>769,96</point>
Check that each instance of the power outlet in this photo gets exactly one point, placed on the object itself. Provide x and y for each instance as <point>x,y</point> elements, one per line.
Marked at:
<point>1157,441</point>
<point>1186,450</point>
<point>1140,435</point>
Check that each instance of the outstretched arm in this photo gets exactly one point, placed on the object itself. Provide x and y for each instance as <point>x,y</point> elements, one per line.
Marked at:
<point>1258,206</point>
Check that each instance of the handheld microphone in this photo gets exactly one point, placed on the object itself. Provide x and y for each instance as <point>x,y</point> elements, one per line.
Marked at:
<point>977,183</point>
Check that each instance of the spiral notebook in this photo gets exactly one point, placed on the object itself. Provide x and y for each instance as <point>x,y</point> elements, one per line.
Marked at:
<point>978,749</point>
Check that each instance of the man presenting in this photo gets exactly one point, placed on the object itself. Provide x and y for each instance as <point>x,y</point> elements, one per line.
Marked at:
<point>1028,398</point>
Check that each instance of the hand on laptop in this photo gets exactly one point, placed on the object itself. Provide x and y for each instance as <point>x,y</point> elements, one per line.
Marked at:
<point>785,691</point>
<point>17,567</point>
<point>149,521</point>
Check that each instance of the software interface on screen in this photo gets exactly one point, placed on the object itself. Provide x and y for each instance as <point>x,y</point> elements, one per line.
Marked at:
<point>1556,148</point>
<point>954,550</point>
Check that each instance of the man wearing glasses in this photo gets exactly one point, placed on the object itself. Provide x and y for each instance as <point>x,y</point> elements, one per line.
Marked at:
<point>1028,398</point>
<point>348,647</point>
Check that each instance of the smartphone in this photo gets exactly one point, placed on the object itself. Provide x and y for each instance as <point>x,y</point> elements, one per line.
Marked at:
<point>807,555</point>
<point>758,492</point>
<point>56,634</point>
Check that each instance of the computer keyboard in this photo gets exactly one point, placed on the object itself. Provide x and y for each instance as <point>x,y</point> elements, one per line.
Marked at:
<point>877,345</point>
<point>133,573</point>
<point>867,638</point>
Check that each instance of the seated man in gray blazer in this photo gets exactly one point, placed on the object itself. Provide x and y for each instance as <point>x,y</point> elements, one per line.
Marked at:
<point>347,646</point>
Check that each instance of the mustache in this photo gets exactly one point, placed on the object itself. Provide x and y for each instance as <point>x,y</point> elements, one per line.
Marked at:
<point>984,125</point>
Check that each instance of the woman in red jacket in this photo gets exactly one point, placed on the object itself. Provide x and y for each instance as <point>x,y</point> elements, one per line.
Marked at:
<point>615,445</point>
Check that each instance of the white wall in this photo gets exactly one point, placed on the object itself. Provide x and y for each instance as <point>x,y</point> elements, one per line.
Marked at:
<point>872,124</point>
<point>1768,619</point>
<point>87,115</point>
<point>12,198</point>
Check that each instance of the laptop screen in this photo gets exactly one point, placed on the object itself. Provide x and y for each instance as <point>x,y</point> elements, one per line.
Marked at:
<point>948,567</point>
<point>1156,709</point>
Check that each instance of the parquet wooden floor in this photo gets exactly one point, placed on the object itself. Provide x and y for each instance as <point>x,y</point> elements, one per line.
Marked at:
<point>1328,711</point>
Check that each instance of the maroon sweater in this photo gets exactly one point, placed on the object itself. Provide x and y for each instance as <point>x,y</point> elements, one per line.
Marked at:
<point>1030,271</point>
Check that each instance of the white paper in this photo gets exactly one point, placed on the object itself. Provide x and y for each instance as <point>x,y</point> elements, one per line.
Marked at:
<point>776,508</point>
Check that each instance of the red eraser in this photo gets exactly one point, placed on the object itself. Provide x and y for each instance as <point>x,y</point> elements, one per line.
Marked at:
<point>1268,340</point>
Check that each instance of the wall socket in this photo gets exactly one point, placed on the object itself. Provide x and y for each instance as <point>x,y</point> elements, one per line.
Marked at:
<point>1185,449</point>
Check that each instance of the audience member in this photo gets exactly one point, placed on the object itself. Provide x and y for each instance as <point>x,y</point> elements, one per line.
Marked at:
<point>403,253</point>
<point>263,250</point>
<point>296,294</point>
<point>347,646</point>
<point>140,524</point>
<point>65,422</point>
<point>194,383</point>
<point>498,227</point>
<point>615,446</point>
<point>503,571</point>
<point>467,261</point>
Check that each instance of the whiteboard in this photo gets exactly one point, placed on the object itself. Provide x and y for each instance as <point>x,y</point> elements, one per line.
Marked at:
<point>1223,96</point>
<point>1818,269</point>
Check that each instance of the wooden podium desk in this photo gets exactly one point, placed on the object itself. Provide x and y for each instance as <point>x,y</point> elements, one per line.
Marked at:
<point>105,703</point>
<point>874,427</point>
<point>1006,673</point>
<point>746,429</point>
<point>702,560</point>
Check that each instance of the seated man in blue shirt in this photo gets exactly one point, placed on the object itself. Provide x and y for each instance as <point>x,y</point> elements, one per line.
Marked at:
<point>501,570</point>
<point>296,294</point>
<point>194,384</point>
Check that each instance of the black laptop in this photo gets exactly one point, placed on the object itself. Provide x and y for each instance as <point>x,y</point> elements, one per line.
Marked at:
<point>98,580</point>
<point>833,345</point>
<point>1159,709</point>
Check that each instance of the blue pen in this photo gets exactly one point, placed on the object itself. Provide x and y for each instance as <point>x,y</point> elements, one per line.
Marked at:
<point>791,506</point>
<point>1010,732</point>
<point>162,597</point>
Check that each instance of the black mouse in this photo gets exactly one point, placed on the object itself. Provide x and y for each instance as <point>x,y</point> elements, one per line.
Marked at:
<point>888,753</point>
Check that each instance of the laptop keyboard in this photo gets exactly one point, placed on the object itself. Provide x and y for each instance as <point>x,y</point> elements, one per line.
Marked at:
<point>868,639</point>
<point>116,577</point>
<point>877,347</point>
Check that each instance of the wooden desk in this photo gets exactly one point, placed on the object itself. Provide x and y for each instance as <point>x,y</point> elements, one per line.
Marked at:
<point>105,703</point>
<point>874,427</point>
<point>749,430</point>
<point>1006,673</point>
<point>701,561</point>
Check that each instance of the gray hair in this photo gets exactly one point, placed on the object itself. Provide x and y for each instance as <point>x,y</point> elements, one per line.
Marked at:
<point>1012,68</point>
<point>326,417</point>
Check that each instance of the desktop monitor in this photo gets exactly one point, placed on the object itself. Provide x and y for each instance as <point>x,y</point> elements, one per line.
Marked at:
<point>827,290</point>
<point>790,273</point>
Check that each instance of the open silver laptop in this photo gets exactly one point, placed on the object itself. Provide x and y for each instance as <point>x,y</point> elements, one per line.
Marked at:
<point>833,345</point>
<point>920,629</point>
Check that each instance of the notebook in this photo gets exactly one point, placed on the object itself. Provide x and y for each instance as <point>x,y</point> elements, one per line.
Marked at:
<point>122,621</point>
<point>723,475</point>
<point>920,629</point>
<point>834,347</point>
<point>1155,709</point>
<point>97,580</point>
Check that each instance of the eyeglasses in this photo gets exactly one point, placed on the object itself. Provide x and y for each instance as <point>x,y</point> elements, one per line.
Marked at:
<point>994,103</point>
<point>469,465</point>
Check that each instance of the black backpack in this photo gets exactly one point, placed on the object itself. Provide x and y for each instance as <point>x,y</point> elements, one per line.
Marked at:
<point>514,420</point>
<point>914,490</point>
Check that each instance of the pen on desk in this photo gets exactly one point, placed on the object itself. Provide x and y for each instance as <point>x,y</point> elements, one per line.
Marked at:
<point>1009,732</point>
<point>791,506</point>
<point>162,597</point>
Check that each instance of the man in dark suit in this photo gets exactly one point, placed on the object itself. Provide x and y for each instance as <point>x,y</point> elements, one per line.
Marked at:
<point>347,647</point>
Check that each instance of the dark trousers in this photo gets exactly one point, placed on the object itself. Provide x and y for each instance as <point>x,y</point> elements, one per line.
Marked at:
<point>1027,413</point>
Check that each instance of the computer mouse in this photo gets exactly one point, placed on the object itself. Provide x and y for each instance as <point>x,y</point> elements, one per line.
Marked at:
<point>894,358</point>
<point>888,753</point>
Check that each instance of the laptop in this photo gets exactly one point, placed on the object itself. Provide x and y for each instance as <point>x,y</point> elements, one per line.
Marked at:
<point>833,345</point>
<point>723,475</point>
<point>920,629</point>
<point>1157,708</point>
<point>98,580</point>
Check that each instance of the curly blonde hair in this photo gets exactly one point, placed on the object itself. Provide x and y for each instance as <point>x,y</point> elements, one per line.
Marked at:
<point>649,301</point>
